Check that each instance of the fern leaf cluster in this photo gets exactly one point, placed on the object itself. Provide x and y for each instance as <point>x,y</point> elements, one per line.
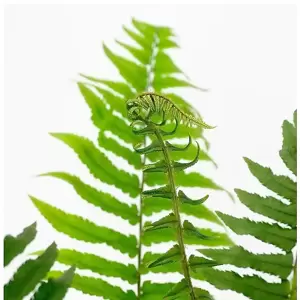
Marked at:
<point>150,68</point>
<point>282,232</point>
<point>29,276</point>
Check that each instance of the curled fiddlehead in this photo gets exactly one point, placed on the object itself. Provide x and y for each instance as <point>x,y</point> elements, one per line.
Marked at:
<point>153,103</point>
<point>140,112</point>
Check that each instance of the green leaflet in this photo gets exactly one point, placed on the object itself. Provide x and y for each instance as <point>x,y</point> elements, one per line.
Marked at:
<point>153,147</point>
<point>97,287</point>
<point>199,211</point>
<point>164,82</point>
<point>175,148</point>
<point>112,145</point>
<point>121,88</point>
<point>185,199</point>
<point>172,255</point>
<point>183,179</point>
<point>13,246</point>
<point>149,257</point>
<point>180,292</point>
<point>283,238</point>
<point>135,74</point>
<point>191,230</point>
<point>203,295</point>
<point>251,286</point>
<point>55,289</point>
<point>155,290</point>
<point>162,192</point>
<point>269,207</point>
<point>188,155</point>
<point>100,99</point>
<point>103,118</point>
<point>169,235</point>
<point>140,54</point>
<point>177,290</point>
<point>288,153</point>
<point>84,230</point>
<point>148,30</point>
<point>276,264</point>
<point>99,165</point>
<point>159,166</point>
<point>165,65</point>
<point>87,261</point>
<point>147,33</point>
<point>168,221</point>
<point>280,185</point>
<point>145,43</point>
<point>182,166</point>
<point>196,263</point>
<point>159,290</point>
<point>29,275</point>
<point>100,199</point>
<point>116,103</point>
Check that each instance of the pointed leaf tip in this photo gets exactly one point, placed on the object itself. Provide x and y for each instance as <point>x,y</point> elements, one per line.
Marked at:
<point>171,256</point>
<point>177,290</point>
<point>15,245</point>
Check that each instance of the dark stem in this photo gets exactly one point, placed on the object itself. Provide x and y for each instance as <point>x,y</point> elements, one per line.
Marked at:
<point>175,203</point>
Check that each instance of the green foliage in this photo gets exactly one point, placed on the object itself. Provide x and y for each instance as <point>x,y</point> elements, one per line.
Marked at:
<point>55,288</point>
<point>97,287</point>
<point>149,68</point>
<point>14,246</point>
<point>33,271</point>
<point>285,238</point>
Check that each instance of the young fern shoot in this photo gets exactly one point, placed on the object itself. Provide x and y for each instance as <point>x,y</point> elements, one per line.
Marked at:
<point>140,111</point>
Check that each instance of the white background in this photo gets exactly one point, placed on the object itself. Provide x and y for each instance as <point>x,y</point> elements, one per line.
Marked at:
<point>245,55</point>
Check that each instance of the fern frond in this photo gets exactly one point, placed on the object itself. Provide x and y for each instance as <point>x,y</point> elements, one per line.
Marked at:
<point>170,227</point>
<point>285,238</point>
<point>154,103</point>
<point>148,67</point>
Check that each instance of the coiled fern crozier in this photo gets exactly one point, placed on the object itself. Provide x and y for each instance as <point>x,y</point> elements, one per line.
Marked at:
<point>155,103</point>
<point>140,111</point>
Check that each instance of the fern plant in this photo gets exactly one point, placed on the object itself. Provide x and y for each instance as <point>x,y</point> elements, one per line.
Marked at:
<point>29,277</point>
<point>280,233</point>
<point>151,69</point>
